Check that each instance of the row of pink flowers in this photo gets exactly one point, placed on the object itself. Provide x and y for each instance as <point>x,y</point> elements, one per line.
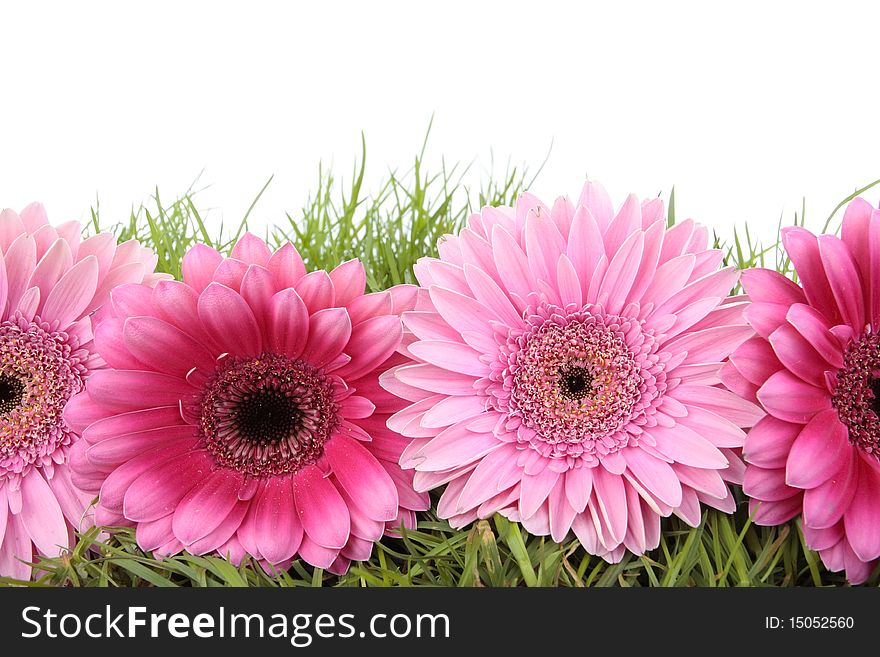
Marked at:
<point>577,369</point>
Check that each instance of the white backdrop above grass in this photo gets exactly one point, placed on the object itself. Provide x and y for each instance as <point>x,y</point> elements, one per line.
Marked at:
<point>746,108</point>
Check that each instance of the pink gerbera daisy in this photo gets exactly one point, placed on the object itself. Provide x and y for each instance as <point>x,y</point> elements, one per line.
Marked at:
<point>242,411</point>
<point>50,283</point>
<point>815,368</point>
<point>565,372</point>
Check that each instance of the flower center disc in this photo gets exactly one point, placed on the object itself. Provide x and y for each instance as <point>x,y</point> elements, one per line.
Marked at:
<point>39,371</point>
<point>856,396</point>
<point>267,416</point>
<point>572,382</point>
<point>11,393</point>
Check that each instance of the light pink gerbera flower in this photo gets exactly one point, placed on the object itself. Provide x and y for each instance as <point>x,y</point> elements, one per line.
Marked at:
<point>566,372</point>
<point>50,283</point>
<point>242,413</point>
<point>815,368</point>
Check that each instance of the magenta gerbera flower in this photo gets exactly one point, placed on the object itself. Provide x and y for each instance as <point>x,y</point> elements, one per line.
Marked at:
<point>815,368</point>
<point>50,283</point>
<point>565,372</point>
<point>242,412</point>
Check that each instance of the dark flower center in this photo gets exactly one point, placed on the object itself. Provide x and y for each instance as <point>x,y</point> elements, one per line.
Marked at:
<point>267,416</point>
<point>575,382</point>
<point>856,396</point>
<point>11,393</point>
<point>875,390</point>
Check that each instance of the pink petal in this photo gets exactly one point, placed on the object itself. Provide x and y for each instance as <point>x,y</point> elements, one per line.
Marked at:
<point>316,555</point>
<point>154,534</point>
<point>178,304</point>
<point>513,266</point>
<point>277,528</point>
<point>767,485</point>
<point>163,347</point>
<point>229,321</point>
<point>370,305</point>
<point>462,313</point>
<point>561,512</point>
<point>775,513</point>
<point>803,249</point>
<point>487,292</point>
<point>585,245</point>
<point>544,244</point>
<point>655,475</point>
<point>789,398</point>
<point>155,491</point>
<point>452,356</point>
<point>856,230</point>
<point>611,498</point>
<point>204,507</point>
<point>257,288</point>
<point>329,332</point>
<point>862,517</point>
<point>455,447</point>
<point>534,490</point>
<point>115,451</point>
<point>578,487</point>
<point>621,273</point>
<point>756,360</point>
<point>685,446</point>
<point>252,250</point>
<point>798,356</point>
<point>41,515</point>
<point>123,390</point>
<point>710,345</point>
<point>771,287</point>
<point>321,509</point>
<point>825,504</point>
<point>429,326</point>
<point>372,343</point>
<point>815,329</point>
<point>844,279</point>
<point>594,198</point>
<point>627,220</point>
<point>349,281</point>
<point>363,478</point>
<point>230,273</point>
<point>484,479</point>
<point>766,317</point>
<point>114,486</point>
<point>718,430</point>
<point>769,442</point>
<point>288,323</point>
<point>450,410</point>
<point>51,267</point>
<point>816,453</point>
<point>671,276</point>
<point>72,294</point>
<point>286,266</point>
<point>21,257</point>
<point>199,265</point>
<point>316,290</point>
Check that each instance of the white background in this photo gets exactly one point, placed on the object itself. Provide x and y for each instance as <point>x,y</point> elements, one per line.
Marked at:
<point>745,107</point>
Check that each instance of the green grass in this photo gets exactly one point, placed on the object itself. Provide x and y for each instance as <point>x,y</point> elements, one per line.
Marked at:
<point>389,229</point>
